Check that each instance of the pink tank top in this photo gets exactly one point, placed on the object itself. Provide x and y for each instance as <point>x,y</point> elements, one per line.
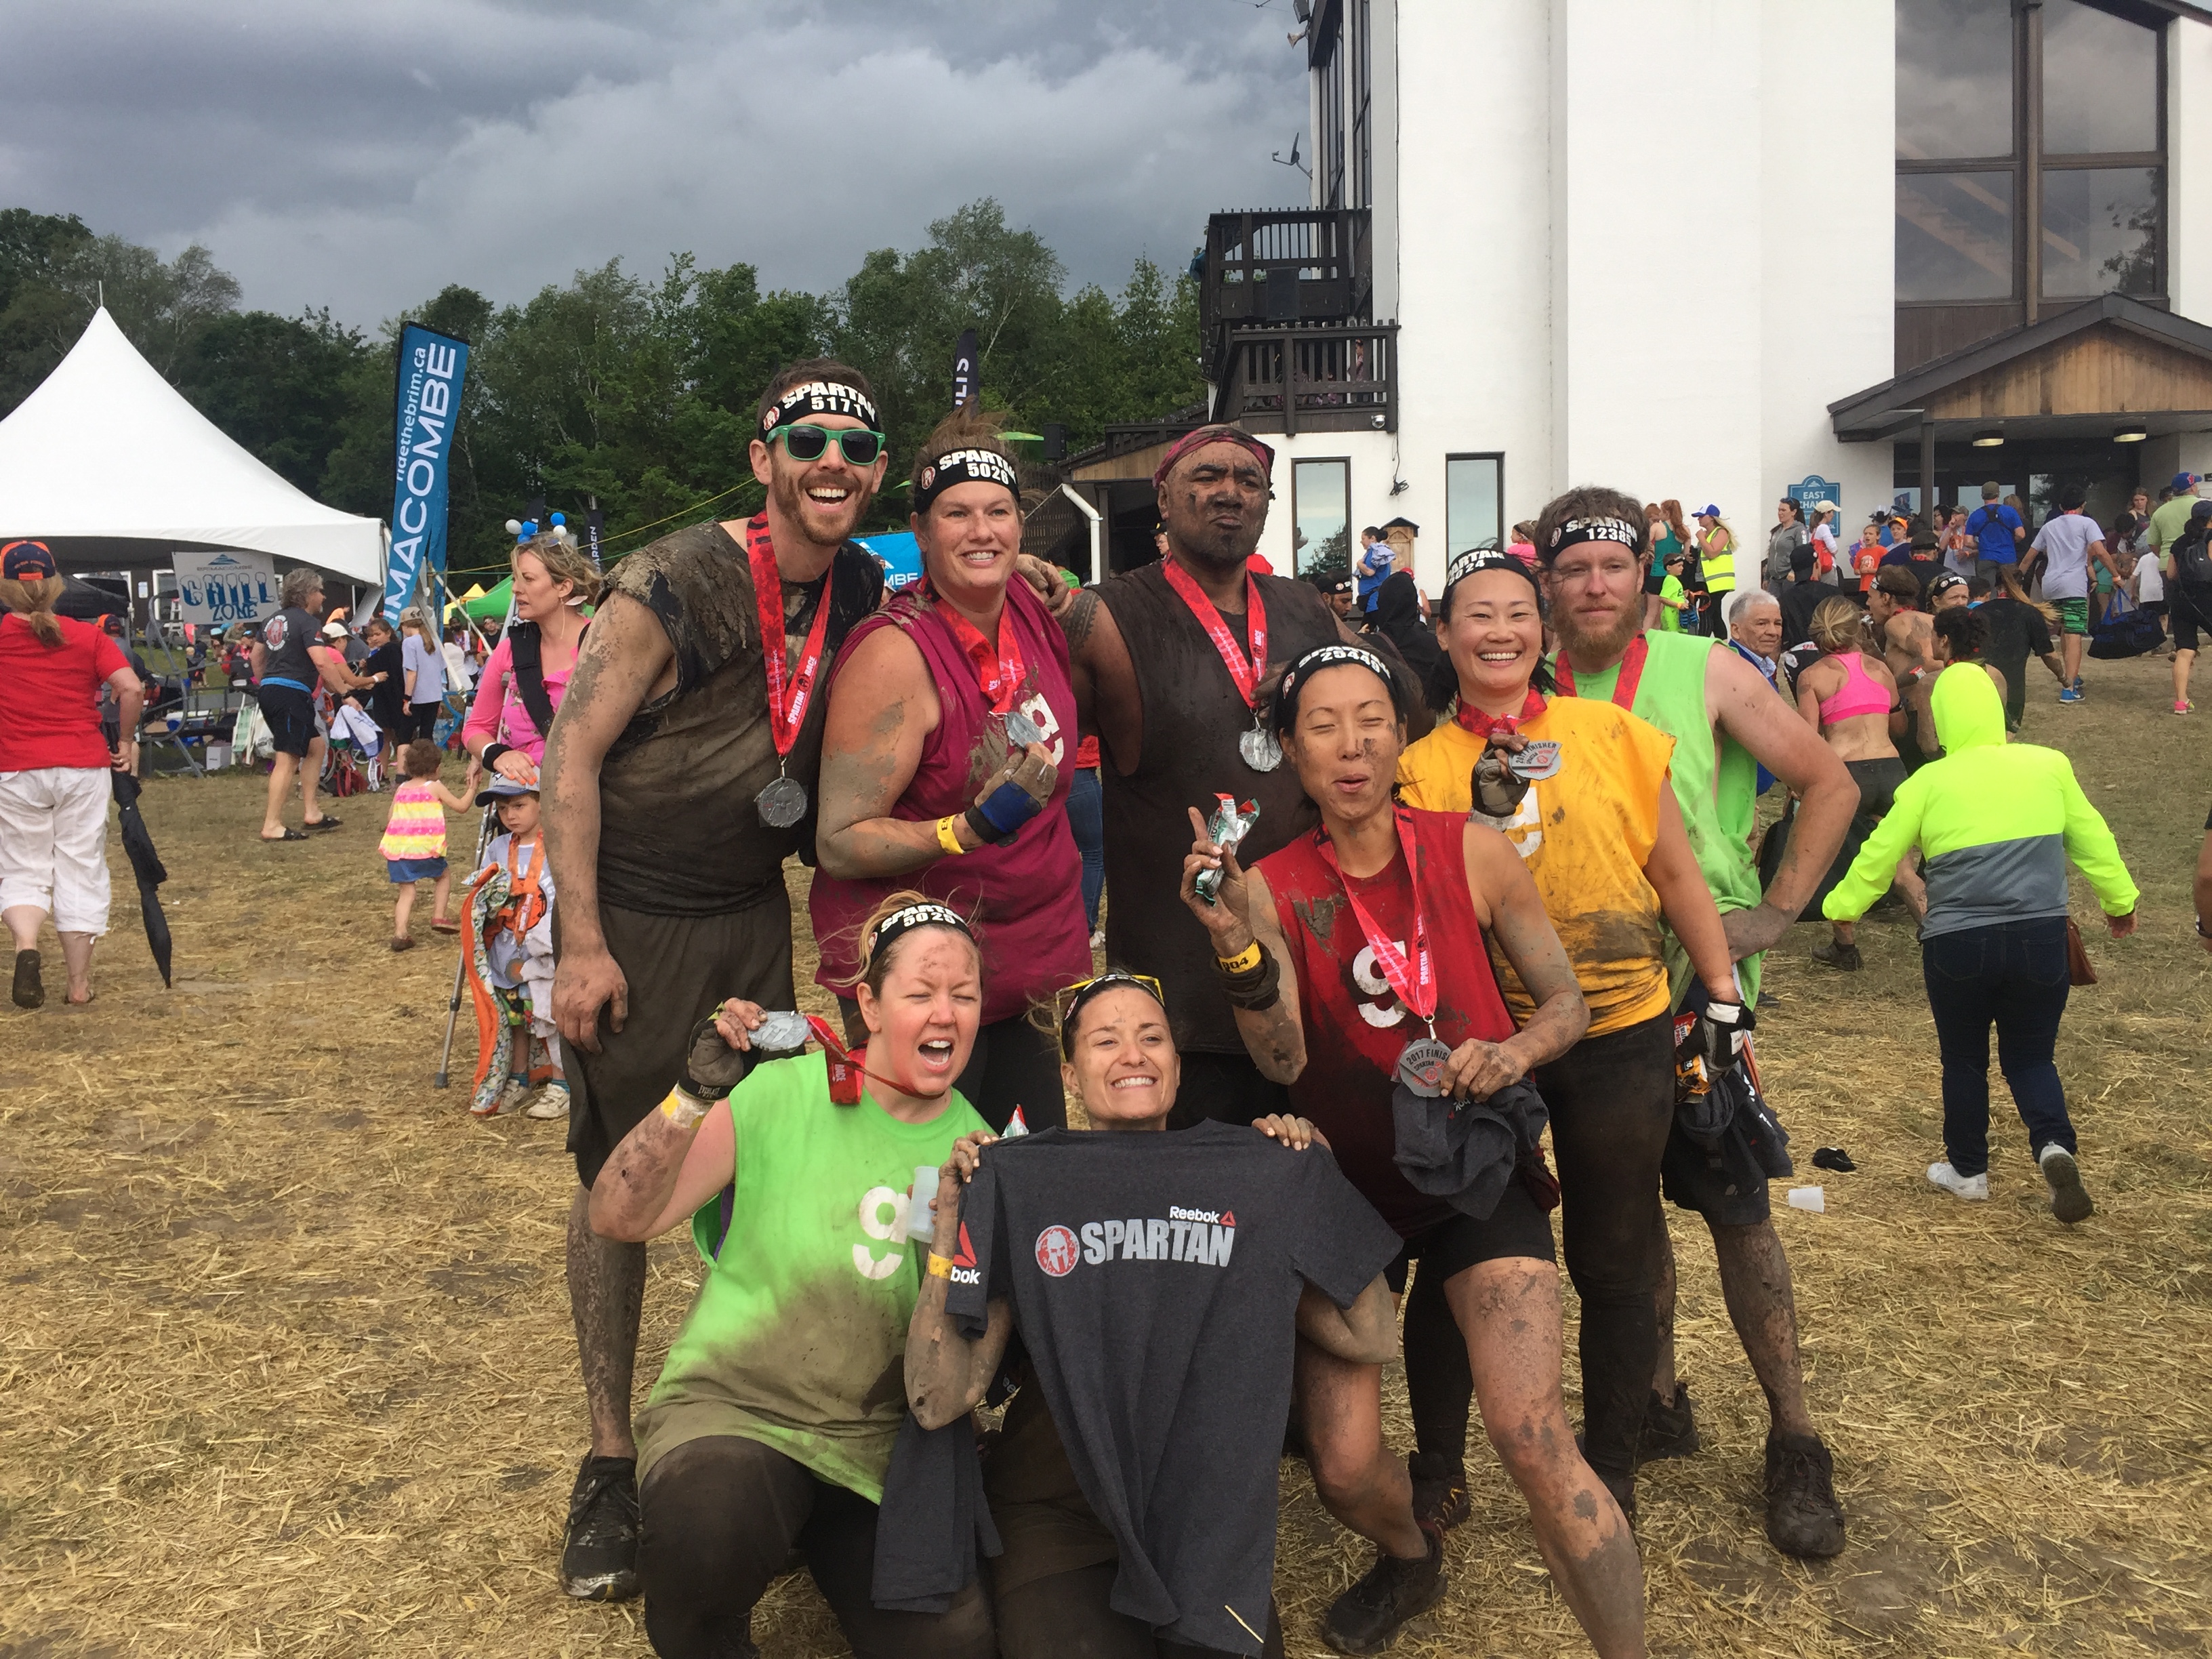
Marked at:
<point>1858,694</point>
<point>1026,897</point>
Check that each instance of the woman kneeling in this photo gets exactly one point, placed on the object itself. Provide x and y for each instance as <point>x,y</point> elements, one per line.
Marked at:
<point>770,1427</point>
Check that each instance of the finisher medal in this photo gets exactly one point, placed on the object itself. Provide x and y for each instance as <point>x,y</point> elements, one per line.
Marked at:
<point>1021,730</point>
<point>1421,1066</point>
<point>1260,750</point>
<point>1537,760</point>
<point>780,1031</point>
<point>783,802</point>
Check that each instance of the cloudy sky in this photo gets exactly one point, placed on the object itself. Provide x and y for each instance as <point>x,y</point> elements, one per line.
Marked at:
<point>362,155</point>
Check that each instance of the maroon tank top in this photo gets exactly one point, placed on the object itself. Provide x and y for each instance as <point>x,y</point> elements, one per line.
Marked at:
<point>1026,897</point>
<point>1354,1023</point>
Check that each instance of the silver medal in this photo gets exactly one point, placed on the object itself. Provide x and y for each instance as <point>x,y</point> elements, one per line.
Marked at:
<point>783,804</point>
<point>782,1032</point>
<point>1260,750</point>
<point>1538,759</point>
<point>1021,730</point>
<point>1421,1067</point>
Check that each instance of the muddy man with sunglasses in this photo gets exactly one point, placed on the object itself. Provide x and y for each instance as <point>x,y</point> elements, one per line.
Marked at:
<point>680,775</point>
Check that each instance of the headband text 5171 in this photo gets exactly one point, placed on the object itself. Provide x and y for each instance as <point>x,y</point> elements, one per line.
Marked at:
<point>820,397</point>
<point>961,466</point>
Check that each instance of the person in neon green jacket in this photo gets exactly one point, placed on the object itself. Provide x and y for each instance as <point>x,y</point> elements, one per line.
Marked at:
<point>1997,823</point>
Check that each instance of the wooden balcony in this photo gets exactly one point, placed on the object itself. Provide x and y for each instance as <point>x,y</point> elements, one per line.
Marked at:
<point>1327,377</point>
<point>1288,266</point>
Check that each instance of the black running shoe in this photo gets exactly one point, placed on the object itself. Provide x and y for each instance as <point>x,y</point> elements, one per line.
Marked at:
<point>1440,1499</point>
<point>1803,1515</point>
<point>1670,1427</point>
<point>599,1561</point>
<point>1367,1617</point>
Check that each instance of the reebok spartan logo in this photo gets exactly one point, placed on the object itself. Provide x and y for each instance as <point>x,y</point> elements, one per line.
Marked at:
<point>1204,1237</point>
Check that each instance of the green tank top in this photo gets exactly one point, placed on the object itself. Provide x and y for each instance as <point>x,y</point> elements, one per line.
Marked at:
<point>1714,783</point>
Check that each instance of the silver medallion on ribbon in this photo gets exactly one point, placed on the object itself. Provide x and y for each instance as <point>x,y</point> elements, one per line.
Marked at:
<point>783,804</point>
<point>1421,1066</point>
<point>1260,750</point>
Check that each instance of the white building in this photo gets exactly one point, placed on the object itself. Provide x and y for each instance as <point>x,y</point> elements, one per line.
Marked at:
<point>1713,250</point>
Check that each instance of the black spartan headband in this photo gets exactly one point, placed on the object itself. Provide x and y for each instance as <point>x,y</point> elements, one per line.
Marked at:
<point>888,931</point>
<point>820,397</point>
<point>1593,530</point>
<point>1328,656</point>
<point>960,467</point>
<point>1475,560</point>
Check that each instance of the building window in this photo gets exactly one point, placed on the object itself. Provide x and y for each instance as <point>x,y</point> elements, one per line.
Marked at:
<point>2015,185</point>
<point>1474,495</point>
<point>1320,516</point>
<point>1344,140</point>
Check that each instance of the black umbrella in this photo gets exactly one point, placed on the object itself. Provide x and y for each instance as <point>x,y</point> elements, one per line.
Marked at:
<point>147,863</point>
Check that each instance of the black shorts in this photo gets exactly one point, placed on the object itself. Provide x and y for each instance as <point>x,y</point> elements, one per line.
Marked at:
<point>291,718</point>
<point>419,719</point>
<point>2187,611</point>
<point>1519,1226</point>
<point>679,970</point>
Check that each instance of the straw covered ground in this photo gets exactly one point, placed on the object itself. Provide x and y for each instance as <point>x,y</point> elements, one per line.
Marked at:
<point>285,1363</point>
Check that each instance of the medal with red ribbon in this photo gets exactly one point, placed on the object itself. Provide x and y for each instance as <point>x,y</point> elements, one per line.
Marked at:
<point>1258,746</point>
<point>999,669</point>
<point>783,802</point>
<point>1413,976</point>
<point>1623,689</point>
<point>1483,725</point>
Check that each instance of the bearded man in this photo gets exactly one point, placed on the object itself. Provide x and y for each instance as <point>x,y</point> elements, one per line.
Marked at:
<point>1173,664</point>
<point>679,775</point>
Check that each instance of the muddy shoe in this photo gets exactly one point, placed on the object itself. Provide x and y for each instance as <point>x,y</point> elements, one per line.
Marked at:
<point>30,991</point>
<point>1803,1515</point>
<point>1670,1428</point>
<point>552,1101</point>
<point>599,1559</point>
<point>2070,1199</point>
<point>1440,1499</point>
<point>1366,1617</point>
<point>1842,957</point>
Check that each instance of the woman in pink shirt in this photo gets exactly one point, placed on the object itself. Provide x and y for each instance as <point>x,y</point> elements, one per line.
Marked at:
<point>947,759</point>
<point>553,583</point>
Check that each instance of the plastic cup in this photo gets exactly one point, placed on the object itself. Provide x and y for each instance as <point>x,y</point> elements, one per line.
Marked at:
<point>921,1221</point>
<point>1814,1198</point>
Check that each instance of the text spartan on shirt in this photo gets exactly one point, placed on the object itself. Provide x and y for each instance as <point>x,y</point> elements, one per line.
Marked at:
<point>1203,1237</point>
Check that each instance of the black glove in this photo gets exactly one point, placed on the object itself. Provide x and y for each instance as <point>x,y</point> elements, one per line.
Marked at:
<point>1715,1036</point>
<point>1498,790</point>
<point>711,1067</point>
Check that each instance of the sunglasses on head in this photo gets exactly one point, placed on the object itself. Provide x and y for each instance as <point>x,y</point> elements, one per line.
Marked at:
<point>859,445</point>
<point>1069,1000</point>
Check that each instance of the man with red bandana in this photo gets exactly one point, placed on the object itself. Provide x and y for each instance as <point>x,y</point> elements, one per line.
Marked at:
<point>1172,664</point>
<point>680,776</point>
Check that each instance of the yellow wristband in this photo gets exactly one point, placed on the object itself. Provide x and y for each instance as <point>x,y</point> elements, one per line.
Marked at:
<point>940,1266</point>
<point>1243,962</point>
<point>946,839</point>
<point>683,1110</point>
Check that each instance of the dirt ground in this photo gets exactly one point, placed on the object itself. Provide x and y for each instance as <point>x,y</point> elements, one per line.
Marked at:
<point>285,1362</point>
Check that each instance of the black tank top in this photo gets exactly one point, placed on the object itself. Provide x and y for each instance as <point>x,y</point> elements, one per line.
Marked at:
<point>1193,716</point>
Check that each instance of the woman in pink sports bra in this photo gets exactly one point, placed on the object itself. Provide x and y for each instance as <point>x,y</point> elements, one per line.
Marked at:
<point>1851,699</point>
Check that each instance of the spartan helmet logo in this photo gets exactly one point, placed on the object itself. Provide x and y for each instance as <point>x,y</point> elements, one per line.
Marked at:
<point>928,476</point>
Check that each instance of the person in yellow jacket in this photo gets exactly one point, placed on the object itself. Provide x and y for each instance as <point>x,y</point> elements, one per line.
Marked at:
<point>1997,823</point>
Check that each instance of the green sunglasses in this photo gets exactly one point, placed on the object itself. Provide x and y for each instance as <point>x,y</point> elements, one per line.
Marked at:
<point>810,443</point>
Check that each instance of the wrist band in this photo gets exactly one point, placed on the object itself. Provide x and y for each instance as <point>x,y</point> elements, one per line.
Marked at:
<point>946,836</point>
<point>681,1109</point>
<point>492,751</point>
<point>940,1266</point>
<point>1243,962</point>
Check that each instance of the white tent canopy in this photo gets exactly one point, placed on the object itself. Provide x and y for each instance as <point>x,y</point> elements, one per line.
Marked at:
<point>109,465</point>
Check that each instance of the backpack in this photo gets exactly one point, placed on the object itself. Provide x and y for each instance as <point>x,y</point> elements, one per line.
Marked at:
<point>2192,562</point>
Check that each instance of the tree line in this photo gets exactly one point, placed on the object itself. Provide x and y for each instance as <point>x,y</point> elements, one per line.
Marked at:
<point>636,391</point>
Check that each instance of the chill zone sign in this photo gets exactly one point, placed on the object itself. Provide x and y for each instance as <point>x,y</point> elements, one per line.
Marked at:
<point>218,589</point>
<point>431,367</point>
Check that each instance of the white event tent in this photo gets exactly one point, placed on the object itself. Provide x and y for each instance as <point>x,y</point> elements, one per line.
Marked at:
<point>110,466</point>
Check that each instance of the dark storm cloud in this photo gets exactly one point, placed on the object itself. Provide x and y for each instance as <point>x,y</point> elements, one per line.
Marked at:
<point>361,156</point>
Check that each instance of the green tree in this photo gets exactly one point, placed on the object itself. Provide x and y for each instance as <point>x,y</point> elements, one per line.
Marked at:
<point>281,387</point>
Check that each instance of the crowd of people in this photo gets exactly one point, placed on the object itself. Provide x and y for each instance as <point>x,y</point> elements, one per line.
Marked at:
<point>1392,887</point>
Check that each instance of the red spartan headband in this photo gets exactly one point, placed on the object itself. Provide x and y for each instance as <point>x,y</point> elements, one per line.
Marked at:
<point>1211,434</point>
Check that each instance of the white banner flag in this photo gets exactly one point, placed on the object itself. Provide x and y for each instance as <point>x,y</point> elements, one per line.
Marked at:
<point>220,588</point>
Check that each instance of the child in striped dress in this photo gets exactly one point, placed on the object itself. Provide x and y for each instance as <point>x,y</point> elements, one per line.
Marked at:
<point>414,845</point>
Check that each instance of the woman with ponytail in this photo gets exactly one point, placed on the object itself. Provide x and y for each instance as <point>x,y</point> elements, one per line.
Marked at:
<point>54,765</point>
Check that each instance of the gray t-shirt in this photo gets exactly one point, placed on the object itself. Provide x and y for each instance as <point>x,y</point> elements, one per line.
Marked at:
<point>1155,1282</point>
<point>2064,542</point>
<point>428,665</point>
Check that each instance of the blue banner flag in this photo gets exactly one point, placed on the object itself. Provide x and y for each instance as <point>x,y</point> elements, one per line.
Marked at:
<point>431,366</point>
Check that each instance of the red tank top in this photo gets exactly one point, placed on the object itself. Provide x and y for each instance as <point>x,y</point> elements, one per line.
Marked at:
<point>1354,1023</point>
<point>1026,897</point>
